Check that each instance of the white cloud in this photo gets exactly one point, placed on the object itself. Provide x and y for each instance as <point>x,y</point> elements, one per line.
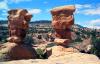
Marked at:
<point>95,11</point>
<point>79,6</point>
<point>3,5</point>
<point>35,11</point>
<point>95,21</point>
<point>94,24</point>
<point>87,9</point>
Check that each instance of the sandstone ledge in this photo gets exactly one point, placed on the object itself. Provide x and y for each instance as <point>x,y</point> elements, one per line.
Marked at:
<point>74,58</point>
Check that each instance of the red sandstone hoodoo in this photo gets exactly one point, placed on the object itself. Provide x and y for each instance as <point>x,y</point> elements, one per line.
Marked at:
<point>62,21</point>
<point>18,24</point>
<point>15,49</point>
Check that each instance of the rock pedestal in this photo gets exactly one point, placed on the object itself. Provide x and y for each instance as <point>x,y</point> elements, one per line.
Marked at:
<point>62,21</point>
<point>13,51</point>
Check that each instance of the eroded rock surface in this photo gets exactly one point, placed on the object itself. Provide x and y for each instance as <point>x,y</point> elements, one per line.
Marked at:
<point>15,49</point>
<point>73,58</point>
<point>18,21</point>
<point>62,20</point>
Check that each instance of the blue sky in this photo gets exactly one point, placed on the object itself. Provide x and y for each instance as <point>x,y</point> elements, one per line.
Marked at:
<point>87,11</point>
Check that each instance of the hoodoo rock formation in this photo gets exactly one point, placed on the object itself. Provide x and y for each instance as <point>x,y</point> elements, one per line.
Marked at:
<point>18,24</point>
<point>14,49</point>
<point>62,21</point>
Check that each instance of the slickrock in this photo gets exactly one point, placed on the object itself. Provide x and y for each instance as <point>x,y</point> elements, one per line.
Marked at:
<point>73,58</point>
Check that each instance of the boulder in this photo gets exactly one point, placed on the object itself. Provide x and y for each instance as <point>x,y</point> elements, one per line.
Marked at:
<point>57,51</point>
<point>63,42</point>
<point>13,51</point>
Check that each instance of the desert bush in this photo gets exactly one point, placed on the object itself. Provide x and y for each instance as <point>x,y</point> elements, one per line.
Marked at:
<point>50,45</point>
<point>40,53</point>
<point>78,40</point>
<point>96,47</point>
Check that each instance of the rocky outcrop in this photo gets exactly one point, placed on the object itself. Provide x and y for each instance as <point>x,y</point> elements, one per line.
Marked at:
<point>57,51</point>
<point>13,51</point>
<point>72,58</point>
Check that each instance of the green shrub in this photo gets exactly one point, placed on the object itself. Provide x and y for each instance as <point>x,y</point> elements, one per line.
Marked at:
<point>96,46</point>
<point>50,45</point>
<point>78,40</point>
<point>40,53</point>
